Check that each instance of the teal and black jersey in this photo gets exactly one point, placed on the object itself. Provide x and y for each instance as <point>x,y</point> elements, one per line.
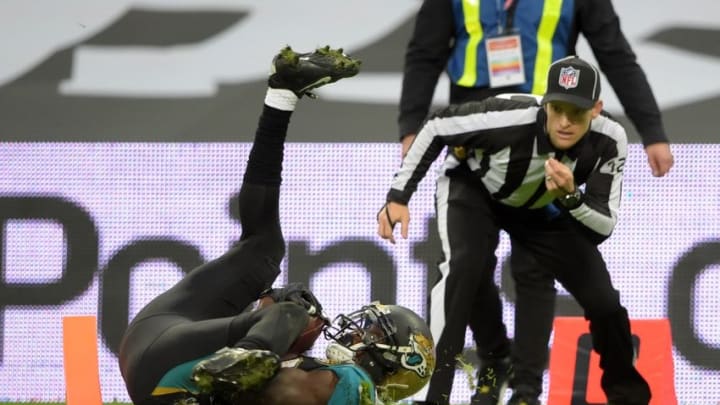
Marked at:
<point>178,380</point>
<point>354,386</point>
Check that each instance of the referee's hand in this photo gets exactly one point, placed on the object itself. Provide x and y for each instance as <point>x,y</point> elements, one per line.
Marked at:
<point>389,215</point>
<point>559,179</point>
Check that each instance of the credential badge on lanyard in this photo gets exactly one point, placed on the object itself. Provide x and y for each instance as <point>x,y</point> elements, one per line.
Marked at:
<point>504,54</point>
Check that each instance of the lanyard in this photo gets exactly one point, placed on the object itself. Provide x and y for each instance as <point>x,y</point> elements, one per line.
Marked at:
<point>509,6</point>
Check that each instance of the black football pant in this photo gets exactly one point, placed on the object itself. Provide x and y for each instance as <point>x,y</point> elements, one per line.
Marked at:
<point>534,313</point>
<point>206,310</point>
<point>535,297</point>
<point>535,302</point>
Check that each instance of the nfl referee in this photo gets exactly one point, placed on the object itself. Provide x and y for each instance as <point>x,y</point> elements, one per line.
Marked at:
<point>550,175</point>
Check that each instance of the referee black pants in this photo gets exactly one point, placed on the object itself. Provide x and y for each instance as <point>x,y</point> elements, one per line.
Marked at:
<point>469,222</point>
<point>205,311</point>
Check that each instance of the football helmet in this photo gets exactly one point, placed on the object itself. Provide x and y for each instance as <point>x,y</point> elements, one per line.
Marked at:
<point>392,343</point>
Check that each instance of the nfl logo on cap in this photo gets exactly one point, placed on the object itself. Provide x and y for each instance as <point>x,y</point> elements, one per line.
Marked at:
<point>569,77</point>
<point>573,80</point>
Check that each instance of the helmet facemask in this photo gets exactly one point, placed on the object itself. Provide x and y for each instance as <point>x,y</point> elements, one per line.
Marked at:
<point>390,342</point>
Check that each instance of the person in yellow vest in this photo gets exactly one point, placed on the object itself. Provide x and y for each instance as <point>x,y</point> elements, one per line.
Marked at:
<point>489,48</point>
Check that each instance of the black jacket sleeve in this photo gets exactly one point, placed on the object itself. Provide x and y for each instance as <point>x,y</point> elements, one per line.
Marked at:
<point>598,22</point>
<point>426,56</point>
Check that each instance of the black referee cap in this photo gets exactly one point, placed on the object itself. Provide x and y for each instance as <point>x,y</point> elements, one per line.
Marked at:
<point>573,80</point>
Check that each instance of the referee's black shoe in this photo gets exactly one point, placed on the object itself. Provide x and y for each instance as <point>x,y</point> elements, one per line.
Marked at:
<point>493,377</point>
<point>519,398</point>
<point>303,72</point>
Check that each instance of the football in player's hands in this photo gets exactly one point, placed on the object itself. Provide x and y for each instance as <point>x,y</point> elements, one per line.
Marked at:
<point>308,336</point>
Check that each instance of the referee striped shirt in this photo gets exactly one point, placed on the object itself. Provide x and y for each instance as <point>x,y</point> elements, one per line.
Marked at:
<point>504,143</point>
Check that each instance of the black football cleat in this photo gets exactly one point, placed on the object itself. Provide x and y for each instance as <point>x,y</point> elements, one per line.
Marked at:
<point>493,378</point>
<point>303,72</point>
<point>235,369</point>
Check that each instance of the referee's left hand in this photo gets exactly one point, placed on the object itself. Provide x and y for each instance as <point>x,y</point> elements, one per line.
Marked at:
<point>559,179</point>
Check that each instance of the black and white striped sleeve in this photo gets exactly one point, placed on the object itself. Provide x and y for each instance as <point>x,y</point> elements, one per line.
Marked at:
<point>457,125</point>
<point>425,149</point>
<point>601,203</point>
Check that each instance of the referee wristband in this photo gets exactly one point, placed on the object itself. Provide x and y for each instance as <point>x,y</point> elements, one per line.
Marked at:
<point>572,200</point>
<point>387,215</point>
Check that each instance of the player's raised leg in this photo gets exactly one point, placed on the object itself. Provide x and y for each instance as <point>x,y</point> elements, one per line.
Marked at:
<point>247,365</point>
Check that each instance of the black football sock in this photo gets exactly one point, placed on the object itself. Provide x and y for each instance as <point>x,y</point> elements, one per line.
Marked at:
<point>265,161</point>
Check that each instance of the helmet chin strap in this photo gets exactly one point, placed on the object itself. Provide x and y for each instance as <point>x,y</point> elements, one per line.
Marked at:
<point>374,364</point>
<point>336,352</point>
<point>371,362</point>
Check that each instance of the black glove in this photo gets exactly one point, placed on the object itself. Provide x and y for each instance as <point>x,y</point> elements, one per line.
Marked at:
<point>297,293</point>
